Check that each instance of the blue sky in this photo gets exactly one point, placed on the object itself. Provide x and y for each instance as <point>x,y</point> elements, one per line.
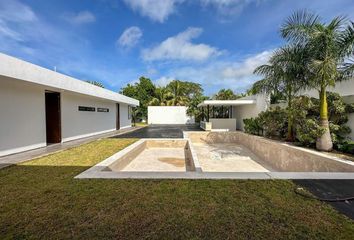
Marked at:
<point>217,43</point>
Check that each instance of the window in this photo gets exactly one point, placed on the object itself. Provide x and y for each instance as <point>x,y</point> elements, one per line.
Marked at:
<point>129,112</point>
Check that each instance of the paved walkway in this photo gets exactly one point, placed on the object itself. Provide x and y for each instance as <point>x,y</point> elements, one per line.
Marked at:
<point>28,155</point>
<point>161,131</point>
<point>332,189</point>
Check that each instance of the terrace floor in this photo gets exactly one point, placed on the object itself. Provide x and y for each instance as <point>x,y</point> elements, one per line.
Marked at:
<point>161,131</point>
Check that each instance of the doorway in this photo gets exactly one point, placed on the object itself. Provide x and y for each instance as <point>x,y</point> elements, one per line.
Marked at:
<point>53,117</point>
<point>117,118</point>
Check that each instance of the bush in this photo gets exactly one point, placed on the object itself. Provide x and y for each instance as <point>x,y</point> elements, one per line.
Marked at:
<point>274,122</point>
<point>305,112</point>
<point>346,147</point>
<point>271,123</point>
<point>253,126</point>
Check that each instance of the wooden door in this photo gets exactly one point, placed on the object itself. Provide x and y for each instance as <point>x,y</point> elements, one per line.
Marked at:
<point>53,117</point>
<point>117,118</point>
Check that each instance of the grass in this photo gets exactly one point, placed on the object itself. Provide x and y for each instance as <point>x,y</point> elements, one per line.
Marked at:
<point>40,199</point>
<point>141,124</point>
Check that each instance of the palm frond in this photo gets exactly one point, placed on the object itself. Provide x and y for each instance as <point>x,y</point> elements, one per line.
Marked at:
<point>299,26</point>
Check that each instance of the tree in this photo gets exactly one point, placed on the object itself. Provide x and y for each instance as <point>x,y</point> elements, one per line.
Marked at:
<point>143,91</point>
<point>96,83</point>
<point>330,46</point>
<point>226,94</point>
<point>286,74</point>
<point>161,97</point>
<point>178,91</point>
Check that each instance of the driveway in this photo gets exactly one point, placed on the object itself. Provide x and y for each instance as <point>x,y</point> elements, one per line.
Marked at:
<point>160,131</point>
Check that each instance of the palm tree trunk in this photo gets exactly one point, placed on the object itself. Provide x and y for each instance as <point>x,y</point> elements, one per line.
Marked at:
<point>324,143</point>
<point>290,136</point>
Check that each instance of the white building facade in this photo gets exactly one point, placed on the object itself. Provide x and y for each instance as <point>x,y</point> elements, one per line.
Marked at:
<point>40,107</point>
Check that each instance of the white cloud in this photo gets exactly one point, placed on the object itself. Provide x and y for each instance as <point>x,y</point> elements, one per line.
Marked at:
<point>237,75</point>
<point>130,37</point>
<point>82,17</point>
<point>228,7</point>
<point>157,10</point>
<point>163,81</point>
<point>179,47</point>
<point>15,11</point>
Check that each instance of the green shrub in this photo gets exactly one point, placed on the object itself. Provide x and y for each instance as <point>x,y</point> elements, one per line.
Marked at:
<point>271,123</point>
<point>274,122</point>
<point>346,147</point>
<point>253,126</point>
<point>308,132</point>
<point>305,111</point>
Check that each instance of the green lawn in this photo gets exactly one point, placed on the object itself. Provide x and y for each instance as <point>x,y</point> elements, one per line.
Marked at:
<point>41,199</point>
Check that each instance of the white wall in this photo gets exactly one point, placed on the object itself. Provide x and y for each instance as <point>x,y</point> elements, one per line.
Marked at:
<point>22,116</point>
<point>168,115</point>
<point>125,121</point>
<point>247,111</point>
<point>228,124</point>
<point>77,124</point>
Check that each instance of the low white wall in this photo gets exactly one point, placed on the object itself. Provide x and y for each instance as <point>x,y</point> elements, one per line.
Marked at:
<point>223,124</point>
<point>168,115</point>
<point>22,118</point>
<point>247,111</point>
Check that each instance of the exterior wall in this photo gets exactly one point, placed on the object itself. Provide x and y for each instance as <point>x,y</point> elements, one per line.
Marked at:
<point>168,115</point>
<point>22,116</point>
<point>30,73</point>
<point>228,124</point>
<point>78,124</point>
<point>247,111</point>
<point>125,120</point>
<point>23,123</point>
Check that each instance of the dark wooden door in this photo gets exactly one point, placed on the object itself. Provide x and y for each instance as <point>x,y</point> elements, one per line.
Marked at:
<point>118,118</point>
<point>52,115</point>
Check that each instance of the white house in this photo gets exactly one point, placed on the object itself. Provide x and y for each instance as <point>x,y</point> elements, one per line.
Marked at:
<point>40,107</point>
<point>233,112</point>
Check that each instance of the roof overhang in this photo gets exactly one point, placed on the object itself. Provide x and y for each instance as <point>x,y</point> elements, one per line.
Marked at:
<point>20,70</point>
<point>227,102</point>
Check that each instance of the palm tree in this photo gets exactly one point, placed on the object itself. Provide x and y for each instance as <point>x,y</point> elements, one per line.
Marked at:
<point>330,45</point>
<point>162,96</point>
<point>178,93</point>
<point>285,74</point>
<point>96,83</point>
<point>226,94</point>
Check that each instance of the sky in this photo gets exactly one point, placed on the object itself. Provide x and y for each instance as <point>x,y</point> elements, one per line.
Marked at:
<point>216,43</point>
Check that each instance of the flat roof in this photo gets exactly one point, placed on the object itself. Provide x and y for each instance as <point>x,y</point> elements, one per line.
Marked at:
<point>227,102</point>
<point>21,70</point>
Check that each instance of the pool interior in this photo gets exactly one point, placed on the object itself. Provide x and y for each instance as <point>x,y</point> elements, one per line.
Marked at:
<point>229,157</point>
<point>219,155</point>
<point>156,156</point>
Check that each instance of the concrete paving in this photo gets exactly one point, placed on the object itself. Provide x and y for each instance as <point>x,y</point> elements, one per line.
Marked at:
<point>227,157</point>
<point>28,155</point>
<point>161,131</point>
<point>159,160</point>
